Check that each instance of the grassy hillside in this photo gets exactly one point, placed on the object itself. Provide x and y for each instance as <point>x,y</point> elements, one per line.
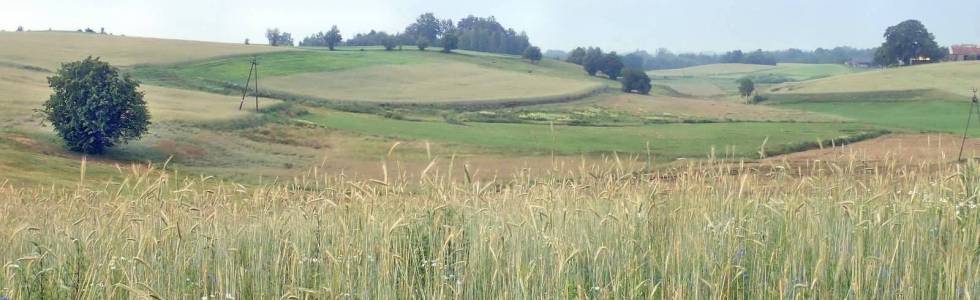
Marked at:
<point>951,77</point>
<point>719,79</point>
<point>48,49</point>
<point>929,98</point>
<point>667,141</point>
<point>712,70</point>
<point>193,98</point>
<point>384,76</point>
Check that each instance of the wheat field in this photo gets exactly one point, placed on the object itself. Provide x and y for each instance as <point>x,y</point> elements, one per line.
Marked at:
<point>699,230</point>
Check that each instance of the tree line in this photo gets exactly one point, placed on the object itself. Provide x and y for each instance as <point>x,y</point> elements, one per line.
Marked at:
<point>470,33</point>
<point>594,61</point>
<point>665,59</point>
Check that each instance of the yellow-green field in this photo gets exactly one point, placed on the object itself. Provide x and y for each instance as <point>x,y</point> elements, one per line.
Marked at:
<point>49,49</point>
<point>420,174</point>
<point>431,82</point>
<point>951,77</point>
<point>712,70</point>
<point>610,231</point>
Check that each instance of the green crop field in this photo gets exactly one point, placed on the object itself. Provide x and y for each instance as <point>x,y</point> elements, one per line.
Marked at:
<point>913,116</point>
<point>927,98</point>
<point>666,141</point>
<point>384,76</point>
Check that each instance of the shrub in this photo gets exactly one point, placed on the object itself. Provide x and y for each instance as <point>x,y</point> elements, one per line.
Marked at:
<point>745,86</point>
<point>533,54</point>
<point>93,108</point>
<point>636,81</point>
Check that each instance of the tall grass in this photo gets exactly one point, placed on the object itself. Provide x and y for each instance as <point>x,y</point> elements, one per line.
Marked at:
<point>700,230</point>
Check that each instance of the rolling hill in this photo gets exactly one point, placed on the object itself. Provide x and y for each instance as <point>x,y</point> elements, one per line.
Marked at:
<point>193,91</point>
<point>956,78</point>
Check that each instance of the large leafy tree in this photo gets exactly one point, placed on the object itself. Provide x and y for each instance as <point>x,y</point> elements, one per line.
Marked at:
<point>612,65</point>
<point>636,81</point>
<point>577,56</point>
<point>533,54</point>
<point>278,38</point>
<point>426,26</point>
<point>389,41</point>
<point>94,108</point>
<point>745,86</point>
<point>449,42</point>
<point>333,37</point>
<point>906,41</point>
<point>593,60</point>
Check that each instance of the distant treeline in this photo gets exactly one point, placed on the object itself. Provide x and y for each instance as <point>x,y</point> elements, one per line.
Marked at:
<point>665,59</point>
<point>470,33</point>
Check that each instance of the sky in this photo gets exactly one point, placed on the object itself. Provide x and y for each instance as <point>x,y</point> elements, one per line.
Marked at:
<point>623,25</point>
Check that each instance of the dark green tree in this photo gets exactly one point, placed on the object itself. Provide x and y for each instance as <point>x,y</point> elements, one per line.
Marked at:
<point>906,41</point>
<point>533,54</point>
<point>422,43</point>
<point>593,60</point>
<point>20,28</point>
<point>333,38</point>
<point>389,41</point>
<point>733,57</point>
<point>612,65</point>
<point>93,108</point>
<point>577,56</point>
<point>745,86</point>
<point>636,81</point>
<point>635,60</point>
<point>759,57</point>
<point>426,26</point>
<point>278,38</point>
<point>449,42</point>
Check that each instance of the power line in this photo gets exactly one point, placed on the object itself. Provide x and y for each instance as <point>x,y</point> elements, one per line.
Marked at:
<point>253,69</point>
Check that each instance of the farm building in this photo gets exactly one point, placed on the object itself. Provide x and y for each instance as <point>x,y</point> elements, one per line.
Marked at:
<point>964,52</point>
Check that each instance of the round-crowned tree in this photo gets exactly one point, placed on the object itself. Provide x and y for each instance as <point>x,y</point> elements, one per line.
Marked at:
<point>636,81</point>
<point>533,54</point>
<point>94,108</point>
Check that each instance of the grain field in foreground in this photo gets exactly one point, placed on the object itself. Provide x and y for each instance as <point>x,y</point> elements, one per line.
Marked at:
<point>697,231</point>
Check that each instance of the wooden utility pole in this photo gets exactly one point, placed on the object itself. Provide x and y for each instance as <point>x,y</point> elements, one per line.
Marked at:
<point>253,69</point>
<point>974,107</point>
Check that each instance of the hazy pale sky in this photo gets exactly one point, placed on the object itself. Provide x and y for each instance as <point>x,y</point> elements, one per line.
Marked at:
<point>623,25</point>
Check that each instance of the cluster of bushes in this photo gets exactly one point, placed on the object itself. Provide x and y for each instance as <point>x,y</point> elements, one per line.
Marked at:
<point>330,39</point>
<point>594,61</point>
<point>278,38</point>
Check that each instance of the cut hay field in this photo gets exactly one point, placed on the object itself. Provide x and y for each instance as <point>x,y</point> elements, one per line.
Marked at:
<point>429,83</point>
<point>718,80</point>
<point>951,77</point>
<point>384,76</point>
<point>48,49</point>
<point>926,98</point>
